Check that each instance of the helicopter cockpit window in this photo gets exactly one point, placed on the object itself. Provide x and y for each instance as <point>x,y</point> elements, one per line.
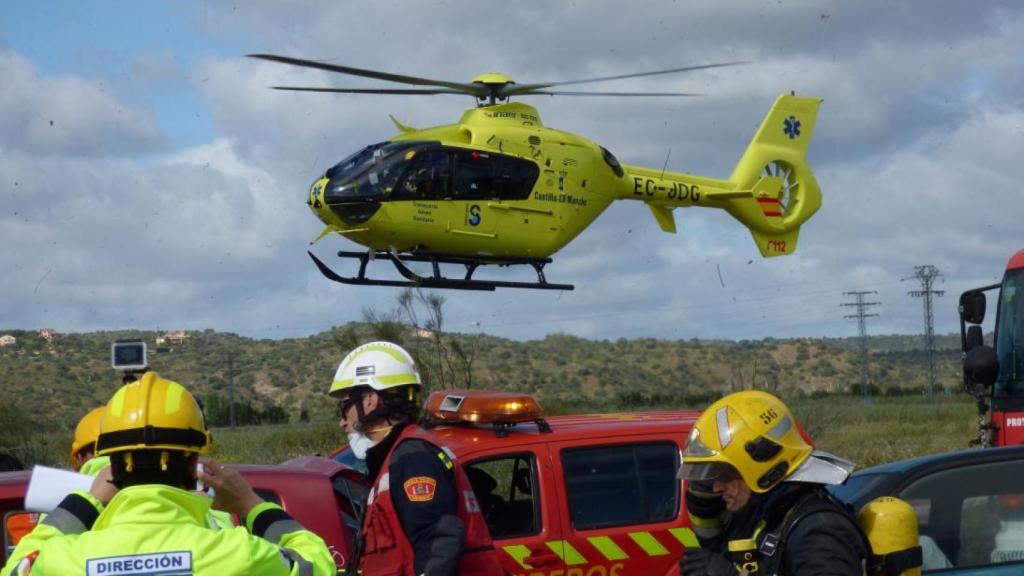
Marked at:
<point>425,175</point>
<point>482,176</point>
<point>353,163</point>
<point>367,175</point>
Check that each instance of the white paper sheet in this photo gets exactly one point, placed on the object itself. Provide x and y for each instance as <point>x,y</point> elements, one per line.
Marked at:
<point>48,486</point>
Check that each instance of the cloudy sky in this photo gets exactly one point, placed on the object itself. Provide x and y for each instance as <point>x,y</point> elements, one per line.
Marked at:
<point>149,179</point>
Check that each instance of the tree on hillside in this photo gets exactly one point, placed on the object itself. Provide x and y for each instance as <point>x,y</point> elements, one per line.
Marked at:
<point>416,323</point>
<point>767,379</point>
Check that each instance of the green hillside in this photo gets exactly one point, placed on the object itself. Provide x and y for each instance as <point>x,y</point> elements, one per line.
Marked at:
<point>280,380</point>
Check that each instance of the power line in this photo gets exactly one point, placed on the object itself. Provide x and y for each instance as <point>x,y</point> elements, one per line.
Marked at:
<point>926,275</point>
<point>861,315</point>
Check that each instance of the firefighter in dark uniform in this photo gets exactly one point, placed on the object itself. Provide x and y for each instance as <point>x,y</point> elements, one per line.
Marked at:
<point>422,516</point>
<point>757,500</point>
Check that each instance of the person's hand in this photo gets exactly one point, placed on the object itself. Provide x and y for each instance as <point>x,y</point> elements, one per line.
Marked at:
<point>232,494</point>
<point>102,487</point>
<point>702,562</point>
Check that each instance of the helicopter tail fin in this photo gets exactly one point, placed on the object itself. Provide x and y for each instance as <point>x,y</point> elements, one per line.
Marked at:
<point>775,191</point>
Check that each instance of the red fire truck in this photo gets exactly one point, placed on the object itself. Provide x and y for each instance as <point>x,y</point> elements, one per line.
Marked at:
<point>995,374</point>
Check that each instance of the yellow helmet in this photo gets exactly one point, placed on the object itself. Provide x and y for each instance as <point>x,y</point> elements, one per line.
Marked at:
<point>379,365</point>
<point>152,413</point>
<point>85,433</point>
<point>752,432</point>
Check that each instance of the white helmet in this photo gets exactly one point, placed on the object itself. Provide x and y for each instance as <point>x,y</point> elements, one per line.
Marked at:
<point>379,365</point>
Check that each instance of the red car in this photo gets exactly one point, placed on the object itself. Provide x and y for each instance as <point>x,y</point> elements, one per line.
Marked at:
<point>316,491</point>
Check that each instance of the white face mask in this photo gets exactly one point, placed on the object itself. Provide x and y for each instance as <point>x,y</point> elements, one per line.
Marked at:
<point>360,444</point>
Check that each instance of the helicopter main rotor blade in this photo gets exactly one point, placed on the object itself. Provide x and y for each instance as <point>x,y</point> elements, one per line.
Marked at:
<point>413,91</point>
<point>512,90</point>
<point>567,93</point>
<point>475,90</point>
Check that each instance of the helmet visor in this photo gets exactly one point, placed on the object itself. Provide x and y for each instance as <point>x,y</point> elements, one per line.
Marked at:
<point>702,471</point>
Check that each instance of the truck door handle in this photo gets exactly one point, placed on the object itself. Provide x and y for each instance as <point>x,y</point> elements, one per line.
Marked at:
<point>541,559</point>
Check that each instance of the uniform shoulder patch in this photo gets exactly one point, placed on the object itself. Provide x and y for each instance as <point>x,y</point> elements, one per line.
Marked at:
<point>420,488</point>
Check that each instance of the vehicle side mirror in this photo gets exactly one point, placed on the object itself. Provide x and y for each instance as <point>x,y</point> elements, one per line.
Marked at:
<point>972,307</point>
<point>975,337</point>
<point>981,366</point>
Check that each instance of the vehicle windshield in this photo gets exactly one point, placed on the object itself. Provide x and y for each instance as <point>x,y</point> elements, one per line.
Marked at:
<point>1010,336</point>
<point>367,175</point>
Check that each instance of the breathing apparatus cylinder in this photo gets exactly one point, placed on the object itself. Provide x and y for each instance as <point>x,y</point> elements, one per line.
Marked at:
<point>891,526</point>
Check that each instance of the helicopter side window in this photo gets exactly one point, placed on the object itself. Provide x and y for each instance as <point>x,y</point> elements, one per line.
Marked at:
<point>514,178</point>
<point>482,176</point>
<point>474,176</point>
<point>425,177</point>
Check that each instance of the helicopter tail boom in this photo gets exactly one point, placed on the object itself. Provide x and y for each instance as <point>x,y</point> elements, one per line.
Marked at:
<point>772,191</point>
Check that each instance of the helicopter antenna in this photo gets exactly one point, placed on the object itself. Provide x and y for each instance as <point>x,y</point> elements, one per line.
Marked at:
<point>665,165</point>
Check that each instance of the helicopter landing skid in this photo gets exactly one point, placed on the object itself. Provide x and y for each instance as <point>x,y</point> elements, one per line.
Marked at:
<point>436,279</point>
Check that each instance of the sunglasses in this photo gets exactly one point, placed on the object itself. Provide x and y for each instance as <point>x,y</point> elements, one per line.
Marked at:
<point>346,403</point>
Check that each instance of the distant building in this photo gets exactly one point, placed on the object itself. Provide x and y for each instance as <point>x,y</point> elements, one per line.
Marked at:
<point>423,333</point>
<point>175,337</point>
<point>160,340</point>
<point>48,334</point>
<point>8,340</point>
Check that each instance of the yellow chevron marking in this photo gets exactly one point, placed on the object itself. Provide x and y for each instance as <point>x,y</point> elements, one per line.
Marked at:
<point>518,552</point>
<point>686,536</point>
<point>566,552</point>
<point>608,547</point>
<point>649,543</point>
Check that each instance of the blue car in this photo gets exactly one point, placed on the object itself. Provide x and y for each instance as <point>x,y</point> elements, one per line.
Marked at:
<point>969,505</point>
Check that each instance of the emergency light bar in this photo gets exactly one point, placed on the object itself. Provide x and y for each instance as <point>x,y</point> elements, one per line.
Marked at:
<point>484,407</point>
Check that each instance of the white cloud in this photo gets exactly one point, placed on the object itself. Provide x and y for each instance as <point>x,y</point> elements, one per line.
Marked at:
<point>67,115</point>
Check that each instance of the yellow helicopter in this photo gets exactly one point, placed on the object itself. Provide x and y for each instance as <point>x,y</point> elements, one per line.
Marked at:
<point>500,188</point>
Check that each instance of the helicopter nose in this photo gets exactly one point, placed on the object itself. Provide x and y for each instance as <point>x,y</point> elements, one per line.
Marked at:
<point>339,197</point>
<point>316,192</point>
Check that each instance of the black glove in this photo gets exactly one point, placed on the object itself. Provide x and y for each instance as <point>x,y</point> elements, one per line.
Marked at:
<point>706,511</point>
<point>701,500</point>
<point>703,562</point>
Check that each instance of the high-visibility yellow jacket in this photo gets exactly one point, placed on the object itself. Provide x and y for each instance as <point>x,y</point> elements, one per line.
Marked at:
<point>157,529</point>
<point>215,519</point>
